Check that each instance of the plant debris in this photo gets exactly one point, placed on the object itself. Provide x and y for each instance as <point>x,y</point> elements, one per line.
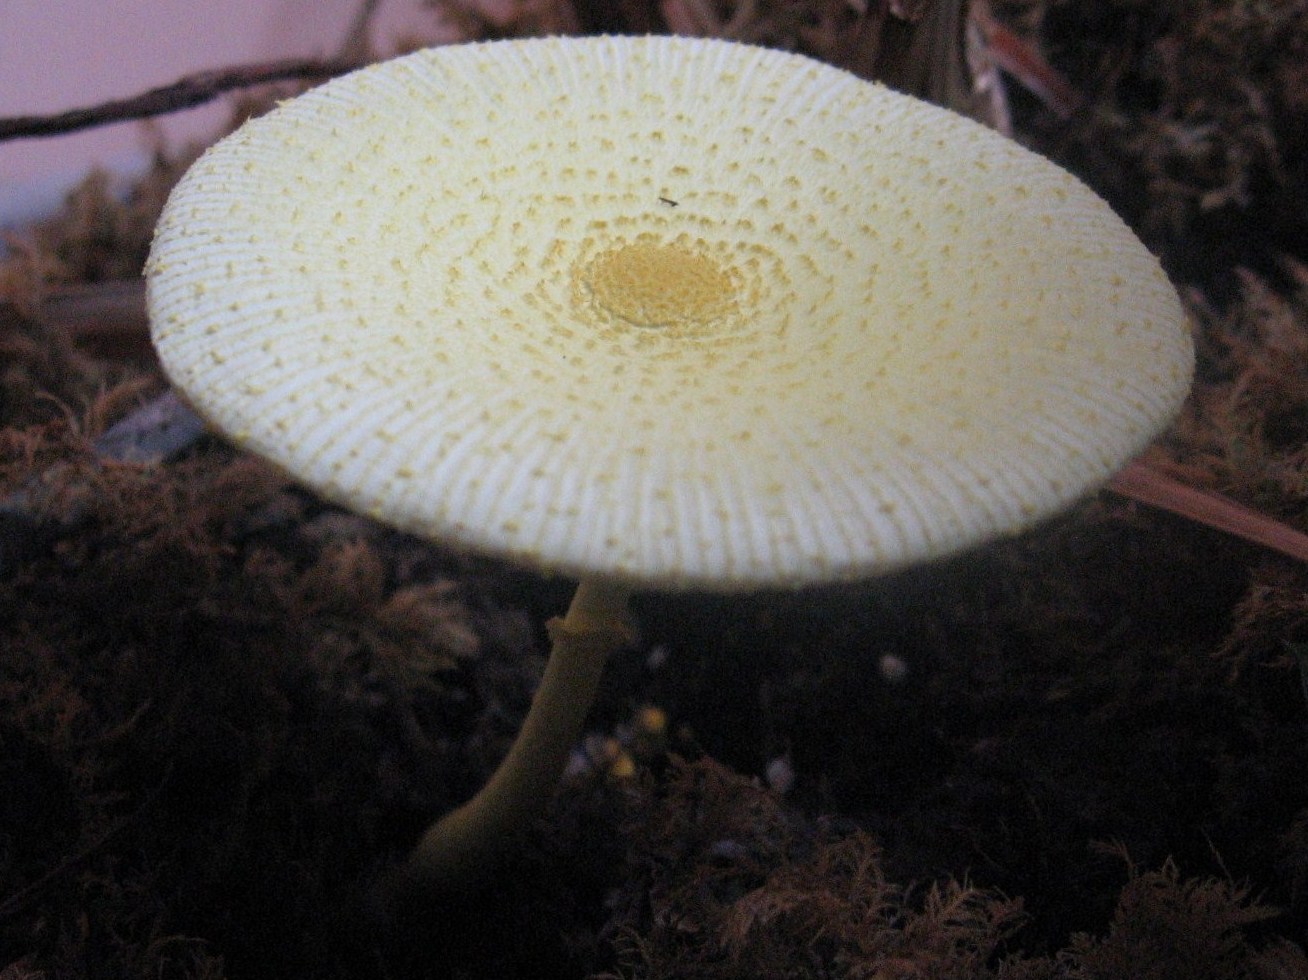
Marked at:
<point>227,708</point>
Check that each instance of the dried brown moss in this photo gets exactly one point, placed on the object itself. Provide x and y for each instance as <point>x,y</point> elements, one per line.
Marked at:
<point>104,231</point>
<point>101,234</point>
<point>222,688</point>
<point>199,666</point>
<point>1245,429</point>
<point>1194,123</point>
<point>729,884</point>
<point>223,705</point>
<point>1168,926</point>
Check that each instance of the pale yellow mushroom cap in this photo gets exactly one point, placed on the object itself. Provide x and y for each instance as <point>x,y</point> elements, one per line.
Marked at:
<point>679,312</point>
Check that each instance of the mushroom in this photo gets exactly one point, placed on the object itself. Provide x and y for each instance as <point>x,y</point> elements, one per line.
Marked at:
<point>656,313</point>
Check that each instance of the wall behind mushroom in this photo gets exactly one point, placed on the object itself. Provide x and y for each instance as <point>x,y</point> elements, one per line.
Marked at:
<point>72,53</point>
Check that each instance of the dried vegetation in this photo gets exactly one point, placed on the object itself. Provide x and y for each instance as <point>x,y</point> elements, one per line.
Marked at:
<point>225,706</point>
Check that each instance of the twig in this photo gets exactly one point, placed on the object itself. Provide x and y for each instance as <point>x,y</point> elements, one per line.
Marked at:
<point>1011,54</point>
<point>185,93</point>
<point>1151,486</point>
<point>356,45</point>
<point>919,49</point>
<point>96,311</point>
<point>17,901</point>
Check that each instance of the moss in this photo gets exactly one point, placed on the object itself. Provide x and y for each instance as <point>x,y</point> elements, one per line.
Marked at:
<point>225,706</point>
<point>1204,163</point>
<point>1169,926</point>
<point>727,883</point>
<point>190,657</point>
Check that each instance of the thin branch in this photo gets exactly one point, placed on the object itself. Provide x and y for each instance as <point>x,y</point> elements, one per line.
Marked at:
<point>357,42</point>
<point>1011,54</point>
<point>1150,485</point>
<point>186,93</point>
<point>97,310</point>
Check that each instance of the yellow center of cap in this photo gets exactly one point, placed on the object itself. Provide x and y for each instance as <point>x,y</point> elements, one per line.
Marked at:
<point>660,284</point>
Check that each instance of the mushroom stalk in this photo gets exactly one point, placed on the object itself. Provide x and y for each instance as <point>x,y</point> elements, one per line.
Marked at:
<point>729,380</point>
<point>461,845</point>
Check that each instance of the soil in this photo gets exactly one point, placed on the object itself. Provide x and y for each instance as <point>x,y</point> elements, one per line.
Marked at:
<point>228,708</point>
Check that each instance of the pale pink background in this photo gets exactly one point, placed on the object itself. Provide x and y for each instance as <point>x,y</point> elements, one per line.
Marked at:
<point>60,54</point>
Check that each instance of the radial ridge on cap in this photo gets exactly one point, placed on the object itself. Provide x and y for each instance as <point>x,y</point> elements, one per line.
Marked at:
<point>687,313</point>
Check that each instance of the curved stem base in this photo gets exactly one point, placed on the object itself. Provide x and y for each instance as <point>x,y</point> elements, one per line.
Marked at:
<point>465,844</point>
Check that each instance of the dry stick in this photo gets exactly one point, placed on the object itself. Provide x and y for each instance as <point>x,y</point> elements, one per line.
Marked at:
<point>1148,485</point>
<point>93,311</point>
<point>355,46</point>
<point>1007,51</point>
<point>24,897</point>
<point>185,93</point>
<point>194,90</point>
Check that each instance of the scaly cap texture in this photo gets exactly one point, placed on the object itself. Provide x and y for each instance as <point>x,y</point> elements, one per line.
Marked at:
<point>680,312</point>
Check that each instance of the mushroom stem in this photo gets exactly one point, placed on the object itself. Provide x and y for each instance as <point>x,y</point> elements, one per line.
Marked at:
<point>465,843</point>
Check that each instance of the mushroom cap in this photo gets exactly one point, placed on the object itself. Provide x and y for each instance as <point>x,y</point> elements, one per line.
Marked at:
<point>675,312</point>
